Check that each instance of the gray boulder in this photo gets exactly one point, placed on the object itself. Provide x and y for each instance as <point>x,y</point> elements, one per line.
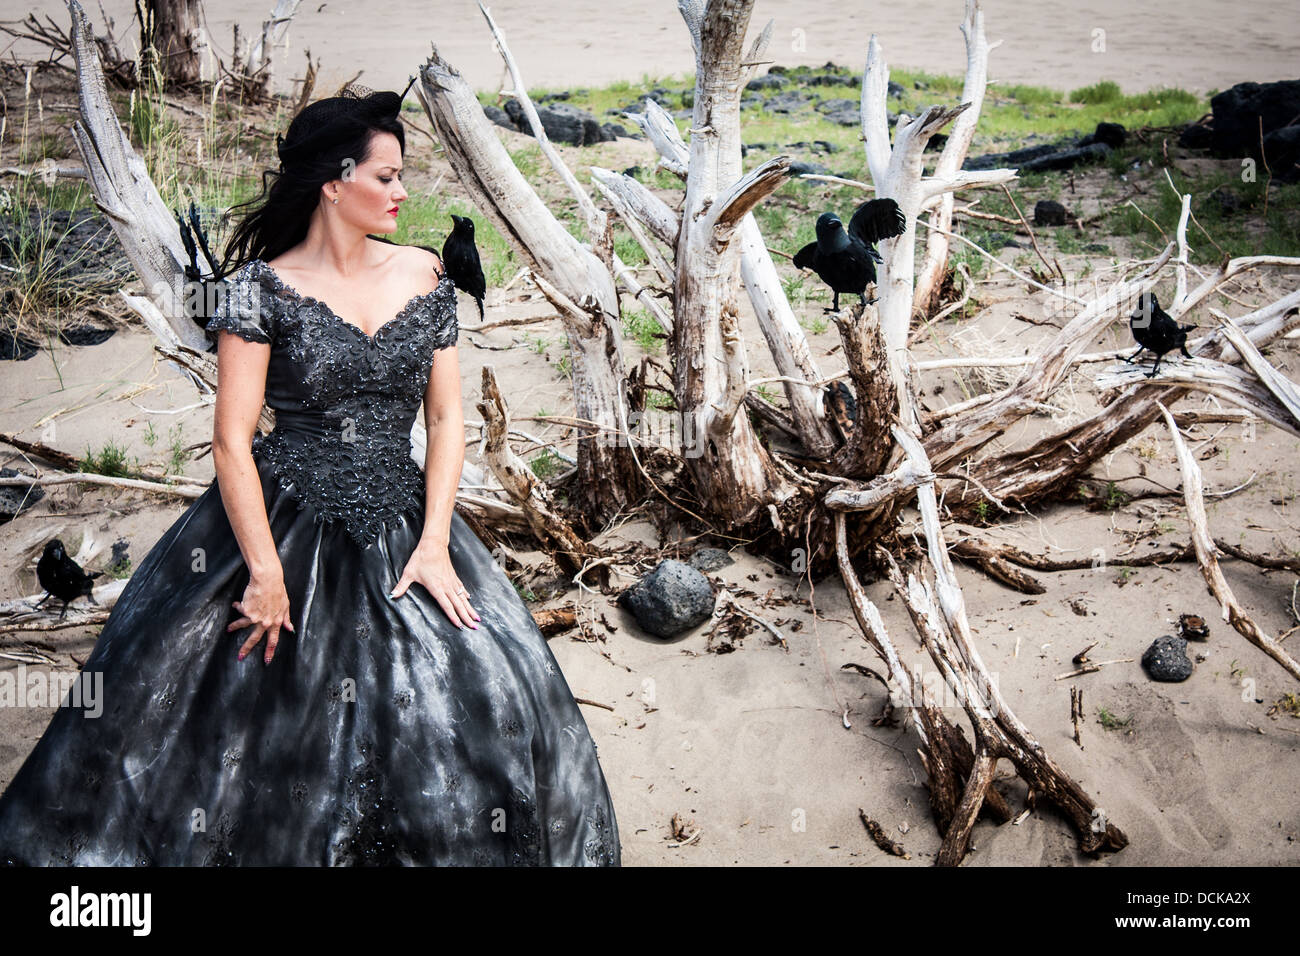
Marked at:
<point>671,599</point>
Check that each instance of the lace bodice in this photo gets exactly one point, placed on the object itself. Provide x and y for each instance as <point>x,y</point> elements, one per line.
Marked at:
<point>344,401</point>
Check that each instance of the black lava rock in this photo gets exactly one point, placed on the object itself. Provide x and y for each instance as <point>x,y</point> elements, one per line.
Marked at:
<point>15,499</point>
<point>671,599</point>
<point>1239,112</point>
<point>1166,659</point>
<point>788,101</point>
<point>499,116</point>
<point>1068,159</point>
<point>801,168</point>
<point>1282,153</point>
<point>1111,134</point>
<point>1049,213</point>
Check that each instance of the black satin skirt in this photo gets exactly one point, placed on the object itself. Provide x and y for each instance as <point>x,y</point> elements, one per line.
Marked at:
<point>380,734</point>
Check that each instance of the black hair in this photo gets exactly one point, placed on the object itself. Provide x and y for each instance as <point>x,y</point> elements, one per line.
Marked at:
<point>322,139</point>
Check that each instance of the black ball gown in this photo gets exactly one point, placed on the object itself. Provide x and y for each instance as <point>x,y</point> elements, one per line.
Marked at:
<point>381,732</point>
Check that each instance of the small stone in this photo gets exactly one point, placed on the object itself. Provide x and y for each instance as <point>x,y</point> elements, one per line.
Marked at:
<point>1049,213</point>
<point>1166,659</point>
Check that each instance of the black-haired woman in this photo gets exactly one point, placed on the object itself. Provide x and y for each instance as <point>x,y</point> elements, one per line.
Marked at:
<point>402,706</point>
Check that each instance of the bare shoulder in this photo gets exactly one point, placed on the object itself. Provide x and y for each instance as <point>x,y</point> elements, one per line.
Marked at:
<point>424,262</point>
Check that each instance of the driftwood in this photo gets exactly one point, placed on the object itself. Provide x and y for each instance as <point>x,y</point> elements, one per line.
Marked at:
<point>578,280</point>
<point>1052,465</point>
<point>1215,582</point>
<point>529,491</point>
<point>1037,562</point>
<point>926,293</point>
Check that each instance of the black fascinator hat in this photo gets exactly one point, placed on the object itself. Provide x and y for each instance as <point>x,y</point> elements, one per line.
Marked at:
<point>354,108</point>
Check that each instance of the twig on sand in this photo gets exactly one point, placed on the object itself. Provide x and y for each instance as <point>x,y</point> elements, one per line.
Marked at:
<point>877,833</point>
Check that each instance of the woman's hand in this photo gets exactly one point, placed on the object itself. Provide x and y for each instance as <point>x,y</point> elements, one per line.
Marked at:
<point>430,565</point>
<point>266,607</point>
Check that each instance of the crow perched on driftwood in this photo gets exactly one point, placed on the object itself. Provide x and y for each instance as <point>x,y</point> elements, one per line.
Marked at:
<point>1155,331</point>
<point>847,261</point>
<point>460,256</point>
<point>62,577</point>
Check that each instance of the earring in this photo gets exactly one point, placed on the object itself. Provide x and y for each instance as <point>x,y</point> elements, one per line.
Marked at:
<point>336,200</point>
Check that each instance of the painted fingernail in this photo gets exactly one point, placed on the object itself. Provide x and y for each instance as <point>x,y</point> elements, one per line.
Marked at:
<point>242,656</point>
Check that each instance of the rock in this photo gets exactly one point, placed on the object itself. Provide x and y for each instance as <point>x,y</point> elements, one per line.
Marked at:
<point>568,124</point>
<point>552,97</point>
<point>1237,113</point>
<point>671,599</point>
<point>846,113</point>
<point>839,103</point>
<point>1014,158</point>
<point>1049,213</point>
<point>788,101</point>
<point>15,499</point>
<point>830,79</point>
<point>709,559</point>
<point>1196,136</point>
<point>895,89</point>
<point>766,82</point>
<point>800,168</point>
<point>1166,659</point>
<point>499,116</point>
<point>936,142</point>
<point>819,145</point>
<point>1068,159</point>
<point>613,131</point>
<point>1111,134</point>
<point>1282,153</point>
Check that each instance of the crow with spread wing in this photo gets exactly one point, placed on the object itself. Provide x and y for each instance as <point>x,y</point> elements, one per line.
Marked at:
<point>846,260</point>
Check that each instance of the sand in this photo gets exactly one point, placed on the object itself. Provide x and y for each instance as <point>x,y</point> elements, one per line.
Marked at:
<point>1194,44</point>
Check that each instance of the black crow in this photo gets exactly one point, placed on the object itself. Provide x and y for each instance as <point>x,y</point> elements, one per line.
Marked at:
<point>197,280</point>
<point>1155,331</point>
<point>846,261</point>
<point>460,256</point>
<point>62,577</point>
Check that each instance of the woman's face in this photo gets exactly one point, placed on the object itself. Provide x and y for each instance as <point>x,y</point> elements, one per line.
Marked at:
<point>369,193</point>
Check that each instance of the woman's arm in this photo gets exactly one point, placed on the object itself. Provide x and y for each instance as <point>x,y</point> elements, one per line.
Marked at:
<point>241,385</point>
<point>444,422</point>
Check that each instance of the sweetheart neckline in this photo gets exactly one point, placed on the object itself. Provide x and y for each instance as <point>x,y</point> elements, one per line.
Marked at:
<point>312,300</point>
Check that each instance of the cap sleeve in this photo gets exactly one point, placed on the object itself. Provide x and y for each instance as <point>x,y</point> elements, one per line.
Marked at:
<point>242,309</point>
<point>447,327</point>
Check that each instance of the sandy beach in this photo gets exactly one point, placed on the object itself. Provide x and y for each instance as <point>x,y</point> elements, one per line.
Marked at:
<point>1194,44</point>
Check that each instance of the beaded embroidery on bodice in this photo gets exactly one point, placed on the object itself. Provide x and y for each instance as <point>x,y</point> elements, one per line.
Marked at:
<point>344,401</point>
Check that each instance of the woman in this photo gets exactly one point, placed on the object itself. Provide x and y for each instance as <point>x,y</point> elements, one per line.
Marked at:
<point>404,707</point>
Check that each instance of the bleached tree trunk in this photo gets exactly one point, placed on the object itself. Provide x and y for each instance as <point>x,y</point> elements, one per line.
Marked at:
<point>896,173</point>
<point>733,473</point>
<point>785,337</point>
<point>127,197</point>
<point>577,279</point>
<point>925,296</point>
